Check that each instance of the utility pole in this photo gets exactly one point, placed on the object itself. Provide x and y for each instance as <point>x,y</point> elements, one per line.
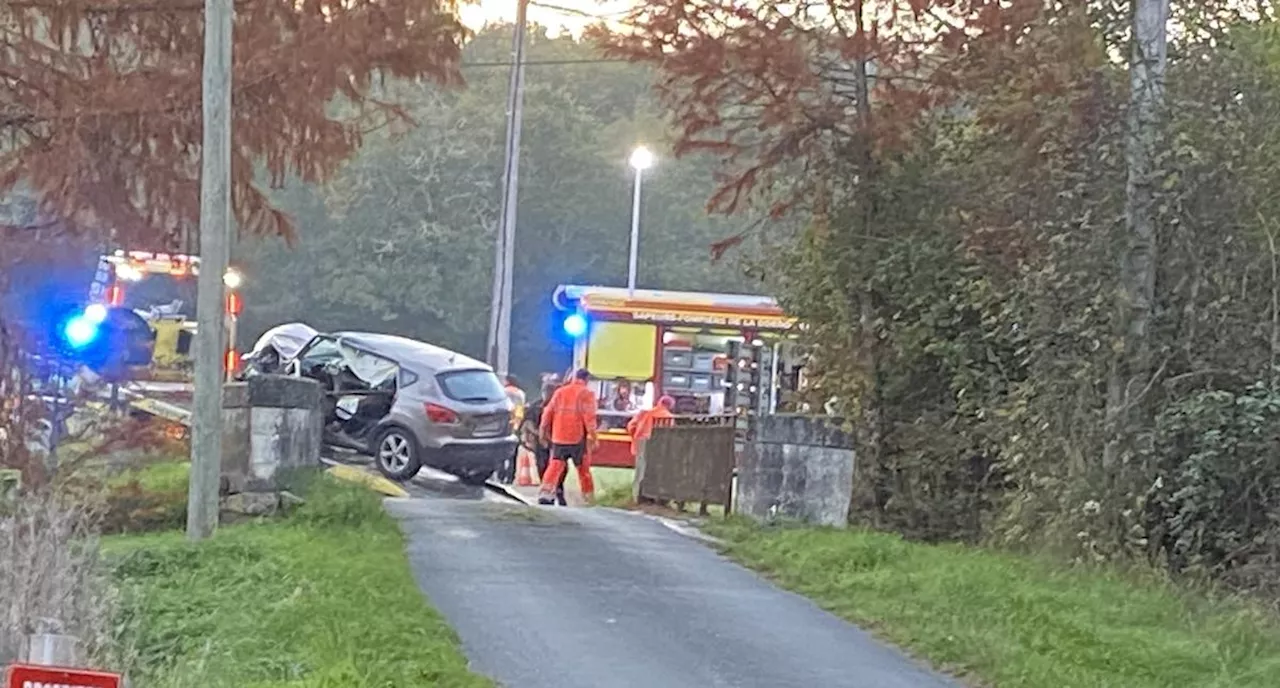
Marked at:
<point>215,230</point>
<point>505,247</point>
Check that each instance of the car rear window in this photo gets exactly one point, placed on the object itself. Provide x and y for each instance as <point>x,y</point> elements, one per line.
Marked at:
<point>474,386</point>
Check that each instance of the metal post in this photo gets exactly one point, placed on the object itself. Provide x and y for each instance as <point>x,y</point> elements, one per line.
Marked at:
<point>55,421</point>
<point>52,649</point>
<point>633,257</point>
<point>773,377</point>
<point>215,230</point>
<point>233,328</point>
<point>505,247</point>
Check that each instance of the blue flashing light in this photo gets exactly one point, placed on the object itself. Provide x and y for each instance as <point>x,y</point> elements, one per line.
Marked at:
<point>575,325</point>
<point>80,331</point>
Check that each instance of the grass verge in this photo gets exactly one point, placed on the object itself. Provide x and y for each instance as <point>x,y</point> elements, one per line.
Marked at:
<point>1005,620</point>
<point>320,600</point>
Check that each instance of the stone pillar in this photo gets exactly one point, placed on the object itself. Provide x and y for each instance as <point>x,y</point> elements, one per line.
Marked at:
<point>272,426</point>
<point>235,438</point>
<point>285,427</point>
<point>798,467</point>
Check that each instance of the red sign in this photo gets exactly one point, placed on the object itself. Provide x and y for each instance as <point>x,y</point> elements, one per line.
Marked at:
<point>23,676</point>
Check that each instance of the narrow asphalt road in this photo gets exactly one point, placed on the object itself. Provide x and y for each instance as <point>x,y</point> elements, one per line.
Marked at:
<point>599,598</point>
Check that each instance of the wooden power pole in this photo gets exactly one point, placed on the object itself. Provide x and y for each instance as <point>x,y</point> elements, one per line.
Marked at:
<point>215,230</point>
<point>505,246</point>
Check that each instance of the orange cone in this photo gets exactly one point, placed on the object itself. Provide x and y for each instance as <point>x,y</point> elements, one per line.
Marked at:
<point>525,470</point>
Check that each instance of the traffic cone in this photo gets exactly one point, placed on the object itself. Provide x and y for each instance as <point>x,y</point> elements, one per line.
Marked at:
<point>525,470</point>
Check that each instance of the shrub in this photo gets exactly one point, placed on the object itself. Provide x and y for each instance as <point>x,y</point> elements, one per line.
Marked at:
<point>1214,506</point>
<point>150,496</point>
<point>135,508</point>
<point>51,580</point>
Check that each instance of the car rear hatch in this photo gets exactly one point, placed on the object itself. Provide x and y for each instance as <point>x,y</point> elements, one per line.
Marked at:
<point>479,402</point>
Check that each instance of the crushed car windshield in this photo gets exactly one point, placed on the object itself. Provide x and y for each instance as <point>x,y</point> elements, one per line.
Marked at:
<point>473,386</point>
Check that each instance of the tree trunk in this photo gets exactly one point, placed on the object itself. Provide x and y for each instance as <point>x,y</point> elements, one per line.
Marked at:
<point>871,416</point>
<point>1131,367</point>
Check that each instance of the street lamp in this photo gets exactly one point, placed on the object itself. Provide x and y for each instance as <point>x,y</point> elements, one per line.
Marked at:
<point>641,160</point>
<point>232,278</point>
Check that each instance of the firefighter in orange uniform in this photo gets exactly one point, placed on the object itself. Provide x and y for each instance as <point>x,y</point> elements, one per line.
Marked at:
<point>641,425</point>
<point>569,425</point>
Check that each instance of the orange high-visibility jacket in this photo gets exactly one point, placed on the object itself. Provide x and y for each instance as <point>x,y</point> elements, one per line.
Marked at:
<point>570,415</point>
<point>641,426</point>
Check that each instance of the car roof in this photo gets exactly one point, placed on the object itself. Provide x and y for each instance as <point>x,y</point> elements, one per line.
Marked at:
<point>412,352</point>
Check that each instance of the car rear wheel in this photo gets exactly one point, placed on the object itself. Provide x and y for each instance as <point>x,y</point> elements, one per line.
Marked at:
<point>397,455</point>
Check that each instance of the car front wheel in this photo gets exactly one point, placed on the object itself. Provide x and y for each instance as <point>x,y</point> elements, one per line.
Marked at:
<point>397,455</point>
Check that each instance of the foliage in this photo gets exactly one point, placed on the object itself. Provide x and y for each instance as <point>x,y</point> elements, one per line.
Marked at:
<point>965,252</point>
<point>272,604</point>
<point>1008,620</point>
<point>101,102</point>
<point>1212,506</point>
<point>865,108</point>
<point>146,499</point>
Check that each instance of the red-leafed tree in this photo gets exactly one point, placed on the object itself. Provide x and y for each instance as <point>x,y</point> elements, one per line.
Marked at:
<point>812,105</point>
<point>771,86</point>
<point>100,101</point>
<point>100,124</point>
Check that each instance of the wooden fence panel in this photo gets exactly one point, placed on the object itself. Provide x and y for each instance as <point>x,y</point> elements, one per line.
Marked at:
<point>688,462</point>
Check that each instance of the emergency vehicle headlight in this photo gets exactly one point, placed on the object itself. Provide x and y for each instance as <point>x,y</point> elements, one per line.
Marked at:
<point>95,313</point>
<point>575,325</point>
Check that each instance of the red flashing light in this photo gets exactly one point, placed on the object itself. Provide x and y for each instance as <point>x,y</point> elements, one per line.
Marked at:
<point>233,360</point>
<point>234,303</point>
<point>441,415</point>
<point>115,295</point>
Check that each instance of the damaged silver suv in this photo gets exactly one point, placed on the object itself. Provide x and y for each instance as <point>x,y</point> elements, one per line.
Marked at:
<point>409,404</point>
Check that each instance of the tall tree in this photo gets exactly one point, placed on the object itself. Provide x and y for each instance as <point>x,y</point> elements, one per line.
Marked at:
<point>1132,369</point>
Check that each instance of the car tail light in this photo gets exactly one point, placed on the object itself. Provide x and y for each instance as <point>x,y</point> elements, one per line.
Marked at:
<point>441,415</point>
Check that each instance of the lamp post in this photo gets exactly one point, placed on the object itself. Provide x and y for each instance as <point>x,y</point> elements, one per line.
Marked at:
<point>641,160</point>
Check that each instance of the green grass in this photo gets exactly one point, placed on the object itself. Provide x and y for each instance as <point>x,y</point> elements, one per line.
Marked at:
<point>614,489</point>
<point>613,485</point>
<point>606,479</point>
<point>324,599</point>
<point>161,476</point>
<point>1005,620</point>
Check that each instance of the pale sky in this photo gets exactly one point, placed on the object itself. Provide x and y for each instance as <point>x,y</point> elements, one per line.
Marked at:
<point>478,13</point>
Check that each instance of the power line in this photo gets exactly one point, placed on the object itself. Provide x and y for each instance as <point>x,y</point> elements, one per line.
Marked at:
<point>581,13</point>
<point>539,63</point>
